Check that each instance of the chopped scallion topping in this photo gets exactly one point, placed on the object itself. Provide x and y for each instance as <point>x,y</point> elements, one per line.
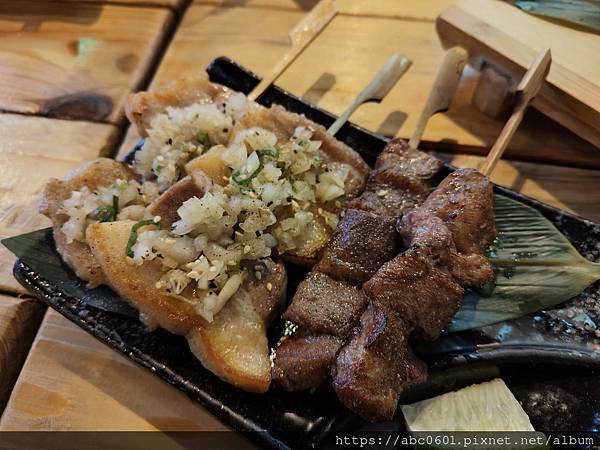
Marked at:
<point>245,182</point>
<point>116,205</point>
<point>270,152</point>
<point>107,213</point>
<point>203,138</point>
<point>133,236</point>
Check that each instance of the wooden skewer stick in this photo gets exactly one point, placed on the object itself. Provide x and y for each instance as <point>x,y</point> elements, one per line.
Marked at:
<point>377,89</point>
<point>300,36</point>
<point>527,89</point>
<point>442,91</point>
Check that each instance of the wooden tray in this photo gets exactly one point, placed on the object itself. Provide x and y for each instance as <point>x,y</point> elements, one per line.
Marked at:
<point>510,39</point>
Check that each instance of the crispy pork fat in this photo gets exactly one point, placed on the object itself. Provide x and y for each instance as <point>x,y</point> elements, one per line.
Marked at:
<point>96,173</point>
<point>234,345</point>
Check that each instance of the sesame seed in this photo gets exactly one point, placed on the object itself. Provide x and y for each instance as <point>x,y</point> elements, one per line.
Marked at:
<point>258,275</point>
<point>247,249</point>
<point>158,285</point>
<point>213,269</point>
<point>156,219</point>
<point>320,211</point>
<point>269,287</point>
<point>382,193</point>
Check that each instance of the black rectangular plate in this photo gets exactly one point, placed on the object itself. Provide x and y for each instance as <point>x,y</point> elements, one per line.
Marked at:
<point>305,420</point>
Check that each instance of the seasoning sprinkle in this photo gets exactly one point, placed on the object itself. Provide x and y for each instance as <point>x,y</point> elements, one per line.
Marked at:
<point>133,235</point>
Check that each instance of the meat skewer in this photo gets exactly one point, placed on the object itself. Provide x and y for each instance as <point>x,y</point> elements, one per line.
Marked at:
<point>527,89</point>
<point>364,240</point>
<point>300,36</point>
<point>420,290</point>
<point>443,90</point>
<point>415,292</point>
<point>328,304</point>
<point>376,90</point>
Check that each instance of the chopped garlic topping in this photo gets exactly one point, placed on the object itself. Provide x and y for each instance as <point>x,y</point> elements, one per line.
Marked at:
<point>274,196</point>
<point>120,200</point>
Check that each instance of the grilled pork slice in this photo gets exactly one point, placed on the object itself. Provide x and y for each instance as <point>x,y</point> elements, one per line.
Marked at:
<point>94,174</point>
<point>166,206</point>
<point>424,296</point>
<point>233,346</point>
<point>362,242</point>
<point>143,106</point>
<point>304,362</point>
<point>372,369</point>
<point>326,306</point>
<point>282,123</point>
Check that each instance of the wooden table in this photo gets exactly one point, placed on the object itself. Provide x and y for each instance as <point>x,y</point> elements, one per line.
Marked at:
<point>74,62</point>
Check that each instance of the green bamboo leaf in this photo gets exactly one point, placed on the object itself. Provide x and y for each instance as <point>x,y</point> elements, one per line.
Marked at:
<point>584,13</point>
<point>536,268</point>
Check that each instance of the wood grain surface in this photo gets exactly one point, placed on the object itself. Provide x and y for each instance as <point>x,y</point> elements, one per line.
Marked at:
<point>19,321</point>
<point>511,39</point>
<point>400,9</point>
<point>176,5</point>
<point>32,150</point>
<point>76,60</point>
<point>342,60</point>
<point>71,381</point>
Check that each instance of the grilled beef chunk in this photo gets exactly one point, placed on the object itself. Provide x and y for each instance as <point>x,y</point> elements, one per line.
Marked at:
<point>425,297</point>
<point>407,161</point>
<point>362,242</point>
<point>399,182</point>
<point>418,291</point>
<point>443,228</point>
<point>388,201</point>
<point>464,202</point>
<point>376,364</point>
<point>326,306</point>
<point>305,362</point>
<point>429,236</point>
